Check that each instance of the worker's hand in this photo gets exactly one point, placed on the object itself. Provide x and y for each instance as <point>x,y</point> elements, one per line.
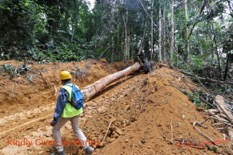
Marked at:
<point>53,123</point>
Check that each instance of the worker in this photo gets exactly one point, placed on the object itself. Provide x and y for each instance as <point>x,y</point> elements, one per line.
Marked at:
<point>65,112</point>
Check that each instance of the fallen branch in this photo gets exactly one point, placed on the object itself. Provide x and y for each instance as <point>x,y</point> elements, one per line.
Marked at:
<point>216,117</point>
<point>208,103</point>
<point>107,131</point>
<point>221,104</point>
<point>171,128</point>
<point>207,79</point>
<point>202,123</point>
<point>212,111</point>
<point>44,80</point>
<point>193,74</point>
<point>201,133</point>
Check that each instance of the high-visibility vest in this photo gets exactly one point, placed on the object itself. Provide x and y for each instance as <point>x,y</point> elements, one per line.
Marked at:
<point>69,111</point>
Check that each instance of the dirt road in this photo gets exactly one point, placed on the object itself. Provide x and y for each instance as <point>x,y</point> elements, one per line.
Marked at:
<point>138,114</point>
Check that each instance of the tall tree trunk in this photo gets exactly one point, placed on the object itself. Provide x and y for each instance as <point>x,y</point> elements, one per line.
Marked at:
<point>143,37</point>
<point>186,32</point>
<point>172,33</point>
<point>164,55</point>
<point>160,32</point>
<point>226,68</point>
<point>152,31</point>
<point>126,48</point>
<point>128,44</point>
<point>123,44</point>
<point>118,42</point>
<point>113,49</point>
<point>215,48</point>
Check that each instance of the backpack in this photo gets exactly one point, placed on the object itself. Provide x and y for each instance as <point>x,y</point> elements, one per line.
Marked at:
<point>77,98</point>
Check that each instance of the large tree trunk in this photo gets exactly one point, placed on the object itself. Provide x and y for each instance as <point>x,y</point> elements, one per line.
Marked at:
<point>186,31</point>
<point>160,33</point>
<point>163,50</point>
<point>172,34</point>
<point>93,89</point>
<point>127,38</point>
<point>143,38</point>
<point>152,32</point>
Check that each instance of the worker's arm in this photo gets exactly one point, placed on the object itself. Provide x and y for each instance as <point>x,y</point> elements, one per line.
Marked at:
<point>61,102</point>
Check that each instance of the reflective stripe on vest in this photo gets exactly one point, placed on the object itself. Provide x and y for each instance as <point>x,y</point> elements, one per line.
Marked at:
<point>69,111</point>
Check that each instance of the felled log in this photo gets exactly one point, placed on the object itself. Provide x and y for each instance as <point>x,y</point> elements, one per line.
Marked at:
<point>222,107</point>
<point>93,89</point>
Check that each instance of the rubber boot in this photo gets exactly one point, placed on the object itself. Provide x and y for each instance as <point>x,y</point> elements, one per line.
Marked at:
<point>61,153</point>
<point>88,150</point>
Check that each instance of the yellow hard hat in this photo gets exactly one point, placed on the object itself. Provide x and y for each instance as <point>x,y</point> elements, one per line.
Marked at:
<point>65,75</point>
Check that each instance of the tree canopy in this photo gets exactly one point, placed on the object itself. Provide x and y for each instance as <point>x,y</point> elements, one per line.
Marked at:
<point>197,33</point>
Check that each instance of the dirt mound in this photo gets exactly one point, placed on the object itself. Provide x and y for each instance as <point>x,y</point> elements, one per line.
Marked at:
<point>138,114</point>
<point>40,84</point>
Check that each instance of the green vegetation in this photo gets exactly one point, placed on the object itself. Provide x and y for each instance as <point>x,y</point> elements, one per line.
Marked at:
<point>195,34</point>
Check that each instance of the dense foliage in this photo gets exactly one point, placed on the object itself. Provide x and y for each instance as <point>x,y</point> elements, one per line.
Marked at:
<point>195,33</point>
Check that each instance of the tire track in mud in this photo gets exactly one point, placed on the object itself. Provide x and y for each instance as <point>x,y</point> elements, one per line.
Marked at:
<point>24,124</point>
<point>31,116</point>
<point>18,119</point>
<point>20,125</point>
<point>37,117</point>
<point>34,129</point>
